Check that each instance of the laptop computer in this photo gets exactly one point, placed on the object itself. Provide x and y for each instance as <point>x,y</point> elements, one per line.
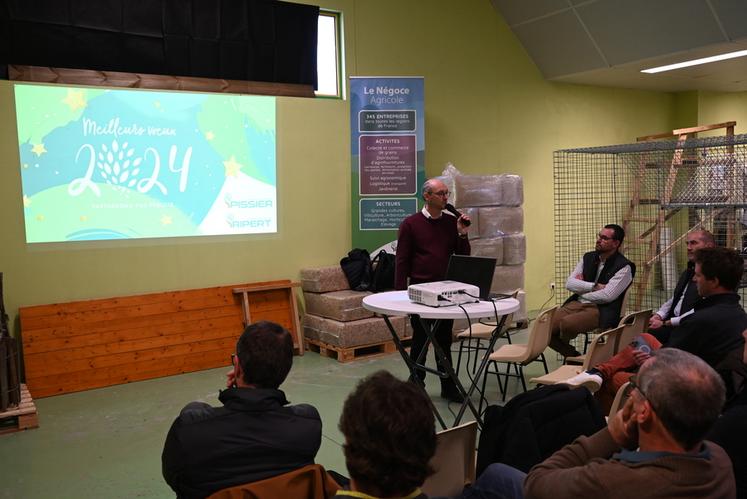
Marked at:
<point>475,270</point>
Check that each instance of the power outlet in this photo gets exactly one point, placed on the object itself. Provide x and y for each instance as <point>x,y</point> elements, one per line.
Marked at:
<point>552,286</point>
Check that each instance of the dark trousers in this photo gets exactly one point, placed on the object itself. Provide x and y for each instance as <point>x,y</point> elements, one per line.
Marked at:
<point>443,337</point>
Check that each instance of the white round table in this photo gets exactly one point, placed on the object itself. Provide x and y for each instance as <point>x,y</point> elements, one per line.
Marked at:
<point>397,303</point>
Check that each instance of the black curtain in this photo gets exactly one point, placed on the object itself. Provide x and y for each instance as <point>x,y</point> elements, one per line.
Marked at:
<point>255,40</point>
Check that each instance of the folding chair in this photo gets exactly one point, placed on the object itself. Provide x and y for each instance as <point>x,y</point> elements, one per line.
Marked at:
<point>471,338</point>
<point>635,323</point>
<point>519,355</point>
<point>454,461</point>
<point>590,334</point>
<point>620,398</point>
<point>603,347</point>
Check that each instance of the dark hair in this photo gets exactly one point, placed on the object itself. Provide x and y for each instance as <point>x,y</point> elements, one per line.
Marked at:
<point>390,435</point>
<point>265,352</point>
<point>724,264</point>
<point>685,392</point>
<point>619,232</point>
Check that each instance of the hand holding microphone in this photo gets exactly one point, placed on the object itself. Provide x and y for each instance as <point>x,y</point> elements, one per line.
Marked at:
<point>465,220</point>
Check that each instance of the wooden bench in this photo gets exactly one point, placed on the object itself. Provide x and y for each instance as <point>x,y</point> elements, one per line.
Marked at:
<point>69,347</point>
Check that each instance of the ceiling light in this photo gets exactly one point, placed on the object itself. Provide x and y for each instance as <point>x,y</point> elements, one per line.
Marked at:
<point>696,62</point>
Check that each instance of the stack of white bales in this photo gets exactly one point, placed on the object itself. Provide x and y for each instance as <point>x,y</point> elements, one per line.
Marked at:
<point>493,203</point>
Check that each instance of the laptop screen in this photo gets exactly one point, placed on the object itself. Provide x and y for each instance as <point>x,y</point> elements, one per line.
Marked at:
<point>475,270</point>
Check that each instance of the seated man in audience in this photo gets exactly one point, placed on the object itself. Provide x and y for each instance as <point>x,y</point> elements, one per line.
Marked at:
<point>685,294</point>
<point>652,448</point>
<point>390,438</point>
<point>598,284</point>
<point>255,435</point>
<point>713,331</point>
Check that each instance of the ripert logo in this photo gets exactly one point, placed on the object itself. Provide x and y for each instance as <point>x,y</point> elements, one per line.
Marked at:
<point>230,202</point>
<point>235,223</point>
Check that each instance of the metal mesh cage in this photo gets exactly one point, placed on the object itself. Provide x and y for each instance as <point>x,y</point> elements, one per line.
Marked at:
<point>658,191</point>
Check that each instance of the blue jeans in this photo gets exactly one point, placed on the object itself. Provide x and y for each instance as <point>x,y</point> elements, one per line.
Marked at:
<point>498,481</point>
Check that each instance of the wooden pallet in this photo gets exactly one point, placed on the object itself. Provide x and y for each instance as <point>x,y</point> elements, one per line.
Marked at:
<point>349,354</point>
<point>23,417</point>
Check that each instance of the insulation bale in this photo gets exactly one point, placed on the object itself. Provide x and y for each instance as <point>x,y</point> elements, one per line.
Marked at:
<point>323,279</point>
<point>477,190</point>
<point>353,333</point>
<point>474,217</point>
<point>512,190</point>
<point>521,314</point>
<point>344,306</point>
<point>507,279</point>
<point>491,247</point>
<point>514,249</point>
<point>499,220</point>
<point>447,177</point>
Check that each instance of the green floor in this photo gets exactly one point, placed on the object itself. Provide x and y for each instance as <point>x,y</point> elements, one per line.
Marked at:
<point>108,442</point>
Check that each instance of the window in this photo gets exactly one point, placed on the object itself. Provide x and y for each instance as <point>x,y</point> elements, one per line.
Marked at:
<point>329,58</point>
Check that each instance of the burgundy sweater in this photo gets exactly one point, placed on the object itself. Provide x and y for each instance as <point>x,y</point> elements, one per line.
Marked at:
<point>424,246</point>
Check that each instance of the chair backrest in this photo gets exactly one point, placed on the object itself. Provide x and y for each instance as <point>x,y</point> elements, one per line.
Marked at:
<point>620,397</point>
<point>626,299</point>
<point>454,461</point>
<point>540,333</point>
<point>309,482</point>
<point>602,347</point>
<point>635,323</point>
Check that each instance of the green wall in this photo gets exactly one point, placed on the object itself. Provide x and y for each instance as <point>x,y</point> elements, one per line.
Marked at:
<point>488,110</point>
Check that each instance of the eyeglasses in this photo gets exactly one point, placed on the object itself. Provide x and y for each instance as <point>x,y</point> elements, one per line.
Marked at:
<point>605,238</point>
<point>634,386</point>
<point>441,193</point>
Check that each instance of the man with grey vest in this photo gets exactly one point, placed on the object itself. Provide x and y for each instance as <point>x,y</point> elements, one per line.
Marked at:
<point>598,284</point>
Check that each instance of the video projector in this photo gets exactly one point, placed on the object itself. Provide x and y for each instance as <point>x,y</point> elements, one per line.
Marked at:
<point>443,293</point>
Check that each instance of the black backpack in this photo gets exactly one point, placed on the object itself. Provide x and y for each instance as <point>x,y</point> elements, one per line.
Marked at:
<point>357,269</point>
<point>382,278</point>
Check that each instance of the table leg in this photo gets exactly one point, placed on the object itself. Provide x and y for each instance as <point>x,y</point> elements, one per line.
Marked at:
<point>414,366</point>
<point>444,361</point>
<point>483,364</point>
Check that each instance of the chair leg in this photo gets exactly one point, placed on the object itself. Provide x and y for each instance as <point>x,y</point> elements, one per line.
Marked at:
<point>482,392</point>
<point>521,375</point>
<point>508,374</point>
<point>544,362</point>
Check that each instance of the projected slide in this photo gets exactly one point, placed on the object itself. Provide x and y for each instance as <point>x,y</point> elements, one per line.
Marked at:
<point>120,164</point>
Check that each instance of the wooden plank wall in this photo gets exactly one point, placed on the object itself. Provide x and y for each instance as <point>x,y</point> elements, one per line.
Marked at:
<point>69,347</point>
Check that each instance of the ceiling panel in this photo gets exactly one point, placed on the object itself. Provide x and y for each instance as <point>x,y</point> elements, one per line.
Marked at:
<point>608,42</point>
<point>517,12</point>
<point>733,17</point>
<point>559,45</point>
<point>636,29</point>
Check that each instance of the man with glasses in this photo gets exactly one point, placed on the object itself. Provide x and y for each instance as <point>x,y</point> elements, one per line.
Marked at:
<point>598,284</point>
<point>255,435</point>
<point>654,446</point>
<point>425,242</point>
<point>713,331</point>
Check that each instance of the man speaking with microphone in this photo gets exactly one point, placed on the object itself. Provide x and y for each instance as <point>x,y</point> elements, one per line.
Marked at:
<point>425,243</point>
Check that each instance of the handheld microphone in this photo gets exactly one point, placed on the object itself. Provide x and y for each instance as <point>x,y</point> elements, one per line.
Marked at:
<point>450,208</point>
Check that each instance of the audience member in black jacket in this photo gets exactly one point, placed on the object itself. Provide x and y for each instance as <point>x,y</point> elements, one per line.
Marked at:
<point>255,435</point>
